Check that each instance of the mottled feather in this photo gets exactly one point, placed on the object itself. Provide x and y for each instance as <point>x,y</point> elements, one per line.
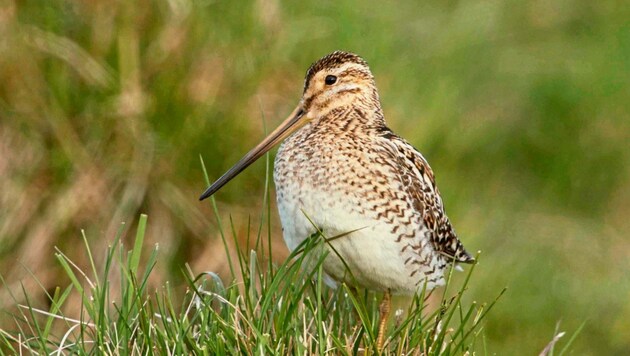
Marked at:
<point>349,172</point>
<point>421,187</point>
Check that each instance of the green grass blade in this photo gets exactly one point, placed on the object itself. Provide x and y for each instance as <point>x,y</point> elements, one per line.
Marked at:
<point>215,209</point>
<point>572,339</point>
<point>138,244</point>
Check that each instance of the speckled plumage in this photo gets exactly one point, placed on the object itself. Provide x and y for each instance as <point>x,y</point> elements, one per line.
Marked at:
<point>346,170</point>
<point>373,195</point>
<point>343,170</point>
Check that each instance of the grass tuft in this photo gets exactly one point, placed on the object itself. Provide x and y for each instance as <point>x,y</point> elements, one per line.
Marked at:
<point>275,309</point>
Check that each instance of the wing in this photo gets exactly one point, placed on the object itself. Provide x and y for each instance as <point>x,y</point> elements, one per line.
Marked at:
<point>419,181</point>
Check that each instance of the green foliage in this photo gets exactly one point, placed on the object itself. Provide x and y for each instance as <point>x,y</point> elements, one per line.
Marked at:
<point>285,309</point>
<point>521,108</point>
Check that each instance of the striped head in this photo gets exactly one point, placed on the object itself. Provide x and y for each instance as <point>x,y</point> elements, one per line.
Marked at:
<point>336,80</point>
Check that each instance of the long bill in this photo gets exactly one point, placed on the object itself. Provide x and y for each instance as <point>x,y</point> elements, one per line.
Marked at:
<point>296,120</point>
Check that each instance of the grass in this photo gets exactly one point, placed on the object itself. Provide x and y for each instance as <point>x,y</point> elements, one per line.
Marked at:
<point>266,308</point>
<point>520,108</point>
<point>278,310</point>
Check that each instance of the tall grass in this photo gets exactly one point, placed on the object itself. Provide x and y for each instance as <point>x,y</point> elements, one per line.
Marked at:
<point>284,309</point>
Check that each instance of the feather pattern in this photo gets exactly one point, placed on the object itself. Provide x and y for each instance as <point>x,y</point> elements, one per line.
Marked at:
<point>349,172</point>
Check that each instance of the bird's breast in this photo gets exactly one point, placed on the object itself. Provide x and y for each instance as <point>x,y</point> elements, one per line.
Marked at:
<point>340,186</point>
<point>314,186</point>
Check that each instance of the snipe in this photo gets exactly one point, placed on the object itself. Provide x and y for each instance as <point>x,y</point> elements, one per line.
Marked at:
<point>342,169</point>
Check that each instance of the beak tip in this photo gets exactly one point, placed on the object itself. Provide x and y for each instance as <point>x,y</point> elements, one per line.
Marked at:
<point>290,124</point>
<point>204,196</point>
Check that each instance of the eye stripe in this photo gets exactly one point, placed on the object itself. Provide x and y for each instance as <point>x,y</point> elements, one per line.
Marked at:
<point>355,72</point>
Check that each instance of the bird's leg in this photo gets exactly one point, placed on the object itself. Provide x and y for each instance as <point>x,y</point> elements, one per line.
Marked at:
<point>384,309</point>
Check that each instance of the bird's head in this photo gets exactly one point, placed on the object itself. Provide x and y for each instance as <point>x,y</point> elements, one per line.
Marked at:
<point>335,81</point>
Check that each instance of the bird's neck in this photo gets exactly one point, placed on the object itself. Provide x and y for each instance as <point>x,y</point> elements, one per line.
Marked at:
<point>361,113</point>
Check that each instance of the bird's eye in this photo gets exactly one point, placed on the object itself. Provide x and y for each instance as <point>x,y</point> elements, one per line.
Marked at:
<point>330,80</point>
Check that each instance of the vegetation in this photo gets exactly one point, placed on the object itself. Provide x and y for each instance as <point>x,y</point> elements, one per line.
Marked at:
<point>284,309</point>
<point>520,107</point>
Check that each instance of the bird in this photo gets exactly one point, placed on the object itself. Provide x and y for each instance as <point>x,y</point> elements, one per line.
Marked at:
<point>342,171</point>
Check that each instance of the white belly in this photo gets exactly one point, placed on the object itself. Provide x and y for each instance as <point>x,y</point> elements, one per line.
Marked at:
<point>375,259</point>
<point>339,188</point>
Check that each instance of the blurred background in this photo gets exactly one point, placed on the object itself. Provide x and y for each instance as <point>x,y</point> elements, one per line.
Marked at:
<point>521,108</point>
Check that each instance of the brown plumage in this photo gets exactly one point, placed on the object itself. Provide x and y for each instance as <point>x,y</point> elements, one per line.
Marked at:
<point>342,169</point>
<point>345,163</point>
